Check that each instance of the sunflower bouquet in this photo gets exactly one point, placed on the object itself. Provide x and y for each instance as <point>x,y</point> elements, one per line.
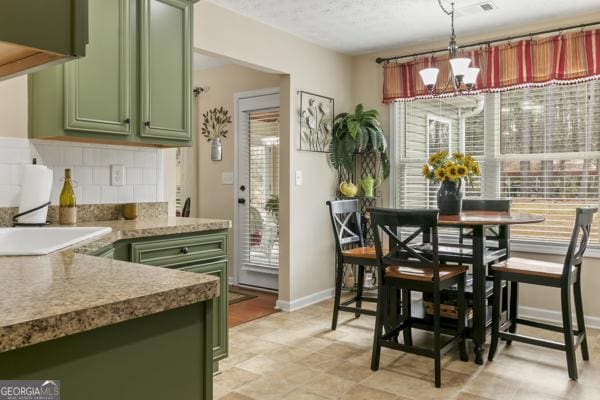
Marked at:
<point>443,166</point>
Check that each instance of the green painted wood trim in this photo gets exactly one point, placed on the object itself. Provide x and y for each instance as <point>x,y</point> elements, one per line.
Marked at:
<point>169,252</point>
<point>161,356</point>
<point>73,119</point>
<point>220,306</point>
<point>105,252</point>
<point>146,85</point>
<point>59,26</point>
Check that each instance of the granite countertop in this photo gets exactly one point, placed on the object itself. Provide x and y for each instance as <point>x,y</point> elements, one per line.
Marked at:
<point>148,227</point>
<point>61,294</point>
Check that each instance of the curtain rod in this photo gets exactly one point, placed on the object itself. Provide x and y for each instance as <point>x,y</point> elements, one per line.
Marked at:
<point>380,60</point>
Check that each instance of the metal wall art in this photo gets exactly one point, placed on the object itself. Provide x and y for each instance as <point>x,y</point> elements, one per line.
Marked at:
<point>213,128</point>
<point>316,122</point>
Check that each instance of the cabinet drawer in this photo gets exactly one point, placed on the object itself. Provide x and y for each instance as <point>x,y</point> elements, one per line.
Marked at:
<point>180,251</point>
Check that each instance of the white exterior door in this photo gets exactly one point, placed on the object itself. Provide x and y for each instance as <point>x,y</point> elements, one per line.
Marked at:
<point>258,190</point>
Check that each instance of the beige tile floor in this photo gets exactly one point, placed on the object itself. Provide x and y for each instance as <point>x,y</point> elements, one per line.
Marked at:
<point>297,356</point>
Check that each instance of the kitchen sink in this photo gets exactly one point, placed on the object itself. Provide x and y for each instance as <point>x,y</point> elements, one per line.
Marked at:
<point>44,240</point>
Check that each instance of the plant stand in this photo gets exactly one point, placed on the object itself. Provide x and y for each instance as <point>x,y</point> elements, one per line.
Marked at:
<point>365,163</point>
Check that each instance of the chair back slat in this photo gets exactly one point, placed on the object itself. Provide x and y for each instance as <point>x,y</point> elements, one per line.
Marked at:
<point>346,222</point>
<point>500,205</point>
<point>393,223</point>
<point>486,205</point>
<point>579,238</point>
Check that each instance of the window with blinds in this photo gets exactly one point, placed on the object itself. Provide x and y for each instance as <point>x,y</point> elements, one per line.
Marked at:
<point>538,146</point>
<point>263,181</point>
<point>548,154</point>
<point>425,127</point>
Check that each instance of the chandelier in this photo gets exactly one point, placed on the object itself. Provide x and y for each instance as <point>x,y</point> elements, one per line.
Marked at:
<point>460,72</point>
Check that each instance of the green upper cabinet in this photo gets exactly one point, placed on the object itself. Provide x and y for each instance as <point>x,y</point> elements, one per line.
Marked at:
<point>98,86</point>
<point>165,54</point>
<point>133,87</point>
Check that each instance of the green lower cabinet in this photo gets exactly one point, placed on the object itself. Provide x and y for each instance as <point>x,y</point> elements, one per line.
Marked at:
<point>107,252</point>
<point>204,253</point>
<point>156,357</point>
<point>220,307</point>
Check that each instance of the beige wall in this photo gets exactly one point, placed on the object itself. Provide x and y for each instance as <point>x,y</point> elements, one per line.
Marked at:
<point>203,177</point>
<point>306,266</point>
<point>13,107</point>
<point>367,89</point>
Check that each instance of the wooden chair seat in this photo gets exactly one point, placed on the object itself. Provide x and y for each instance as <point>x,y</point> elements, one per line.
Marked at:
<point>424,274</point>
<point>361,252</point>
<point>526,266</point>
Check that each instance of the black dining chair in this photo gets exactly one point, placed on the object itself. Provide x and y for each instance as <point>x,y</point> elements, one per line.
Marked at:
<point>463,253</point>
<point>566,277</point>
<point>403,267</point>
<point>185,211</point>
<point>350,249</point>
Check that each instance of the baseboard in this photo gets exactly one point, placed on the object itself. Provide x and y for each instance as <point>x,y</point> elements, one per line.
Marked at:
<point>303,302</point>
<point>554,316</point>
<point>540,314</point>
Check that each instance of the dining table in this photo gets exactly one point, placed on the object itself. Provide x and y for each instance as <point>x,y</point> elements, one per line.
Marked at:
<point>478,223</point>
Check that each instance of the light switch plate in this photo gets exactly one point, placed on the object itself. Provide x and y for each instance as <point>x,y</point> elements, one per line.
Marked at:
<point>227,178</point>
<point>298,177</point>
<point>117,175</point>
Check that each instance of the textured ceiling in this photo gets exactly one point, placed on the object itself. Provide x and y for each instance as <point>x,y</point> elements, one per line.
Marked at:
<point>362,26</point>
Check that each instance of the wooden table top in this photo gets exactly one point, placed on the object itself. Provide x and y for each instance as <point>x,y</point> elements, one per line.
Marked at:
<point>468,218</point>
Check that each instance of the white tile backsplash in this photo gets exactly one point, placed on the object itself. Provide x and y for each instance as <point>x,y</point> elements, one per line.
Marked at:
<point>108,194</point>
<point>109,157</point>
<point>91,170</point>
<point>133,176</point>
<point>91,157</point>
<point>74,155</point>
<point>101,176</point>
<point>149,176</point>
<point>91,194</point>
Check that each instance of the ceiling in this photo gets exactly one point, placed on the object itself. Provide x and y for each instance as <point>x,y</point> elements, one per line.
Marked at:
<point>363,26</point>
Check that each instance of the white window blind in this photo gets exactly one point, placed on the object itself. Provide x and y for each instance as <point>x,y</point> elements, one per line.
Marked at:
<point>549,142</point>
<point>262,225</point>
<point>538,146</point>
<point>425,127</point>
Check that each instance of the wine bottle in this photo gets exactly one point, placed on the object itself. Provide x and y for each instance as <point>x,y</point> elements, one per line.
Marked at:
<point>67,212</point>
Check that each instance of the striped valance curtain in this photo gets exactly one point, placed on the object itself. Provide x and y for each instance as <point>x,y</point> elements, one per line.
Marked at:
<point>566,58</point>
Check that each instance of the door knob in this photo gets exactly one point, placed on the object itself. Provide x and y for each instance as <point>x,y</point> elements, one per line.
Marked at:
<point>127,120</point>
<point>147,123</point>
<point>185,250</point>
<point>241,201</point>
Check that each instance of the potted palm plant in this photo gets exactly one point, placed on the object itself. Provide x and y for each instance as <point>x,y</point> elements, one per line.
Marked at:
<point>358,132</point>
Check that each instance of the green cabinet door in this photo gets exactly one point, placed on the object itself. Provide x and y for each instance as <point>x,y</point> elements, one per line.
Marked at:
<point>98,87</point>
<point>220,306</point>
<point>165,65</point>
